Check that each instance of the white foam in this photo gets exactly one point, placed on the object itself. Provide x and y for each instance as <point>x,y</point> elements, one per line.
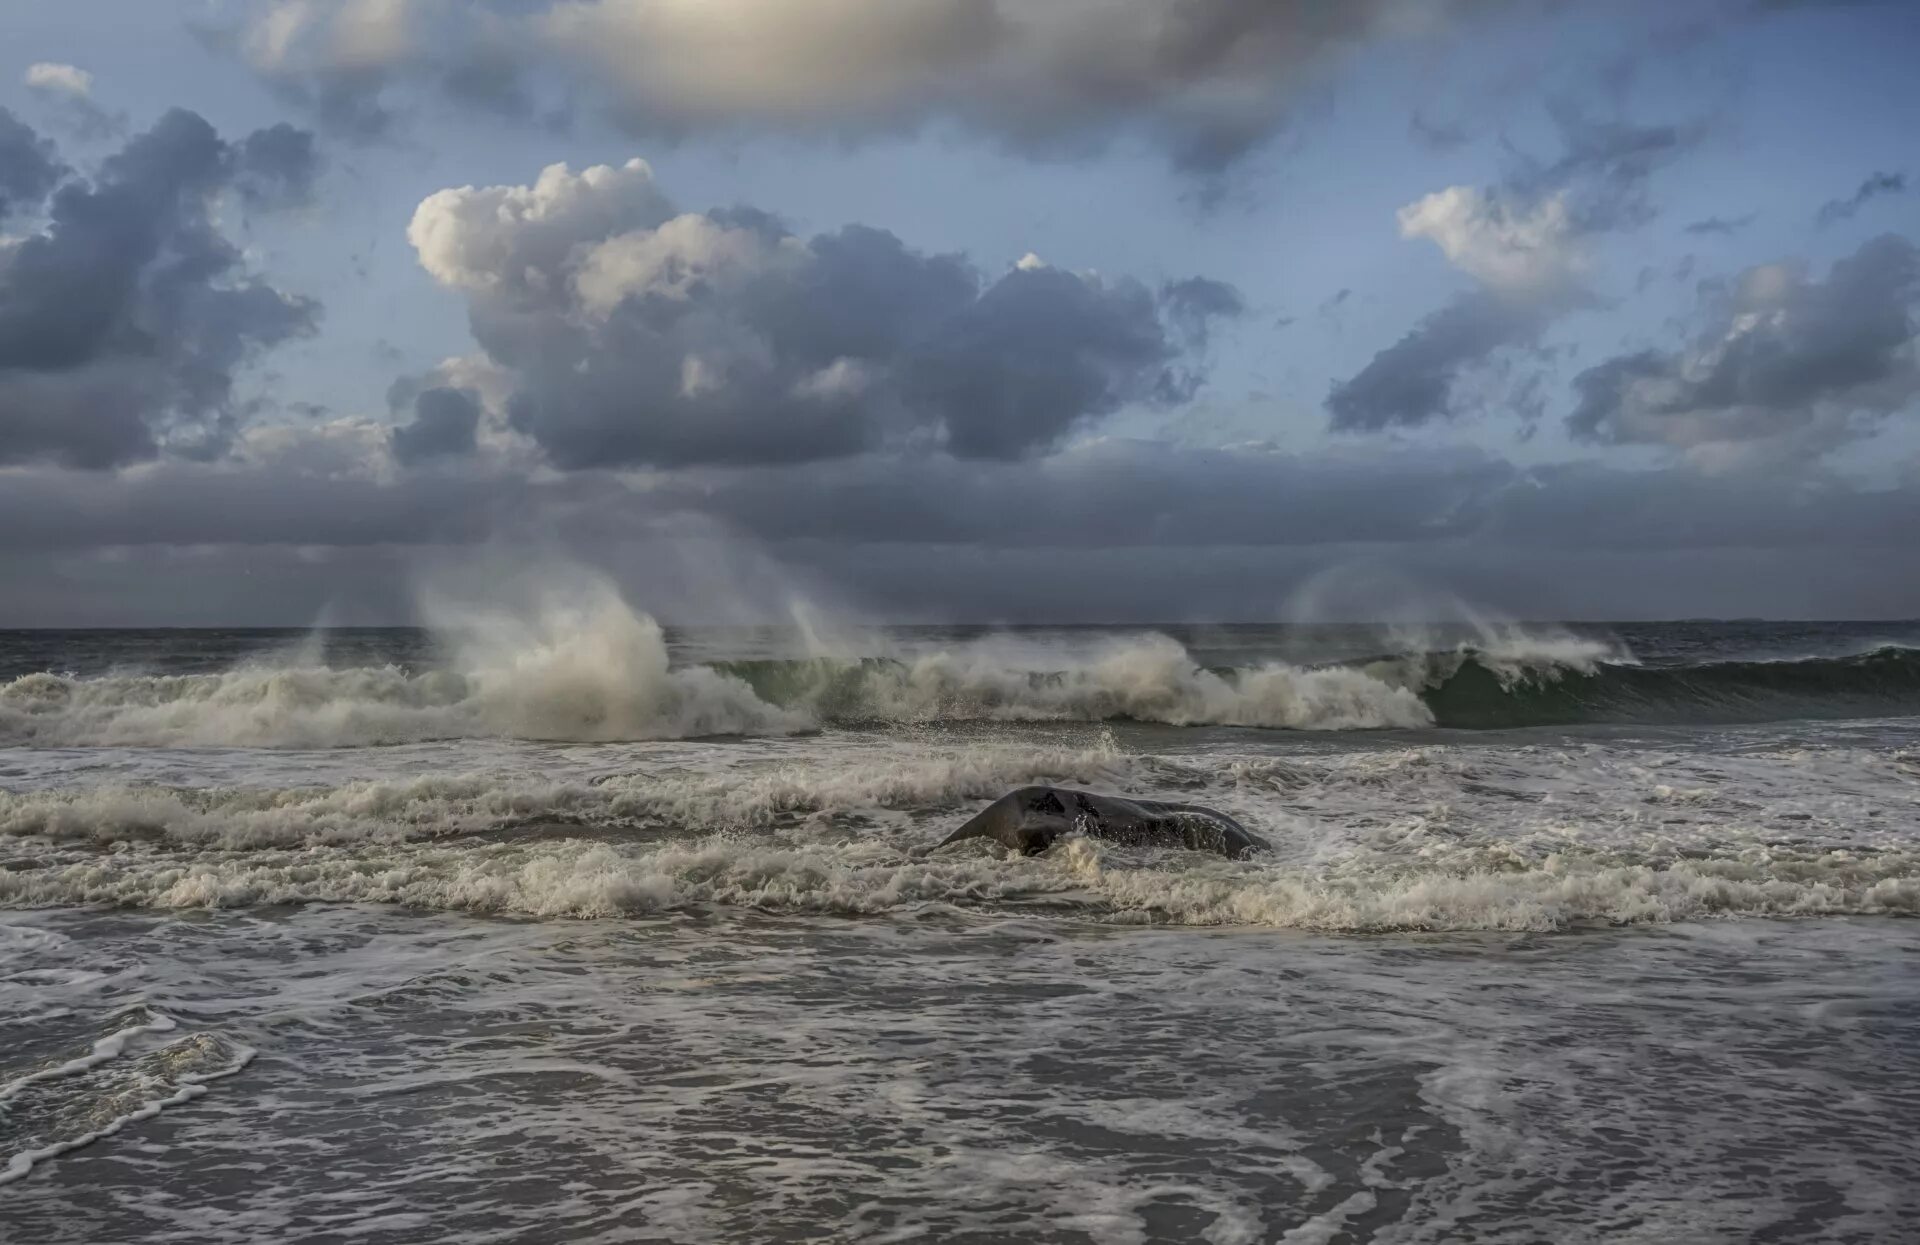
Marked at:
<point>1484,887</point>
<point>1438,837</point>
<point>583,668</point>
<point>108,1047</point>
<point>1146,678</point>
<point>852,781</point>
<point>187,1085</point>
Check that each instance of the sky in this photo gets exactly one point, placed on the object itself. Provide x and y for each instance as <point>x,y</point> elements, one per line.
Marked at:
<point>961,310</point>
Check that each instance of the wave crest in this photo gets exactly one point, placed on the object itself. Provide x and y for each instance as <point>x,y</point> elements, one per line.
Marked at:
<point>595,671</point>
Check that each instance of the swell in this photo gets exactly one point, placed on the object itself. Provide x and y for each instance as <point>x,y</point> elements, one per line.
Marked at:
<point>1475,694</point>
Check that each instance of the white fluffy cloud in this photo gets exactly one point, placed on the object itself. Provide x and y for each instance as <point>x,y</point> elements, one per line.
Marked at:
<point>637,334</point>
<point>59,79</point>
<point>1520,249</point>
<point>520,237</point>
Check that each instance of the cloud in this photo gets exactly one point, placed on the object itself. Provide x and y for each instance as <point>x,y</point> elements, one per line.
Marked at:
<point>59,79</point>
<point>1518,249</point>
<point>1524,244</point>
<point>633,333</point>
<point>29,166</point>
<point>1527,261</point>
<point>1785,362</point>
<point>1193,304</point>
<point>1876,185</point>
<point>1414,380</point>
<point>1723,226</point>
<point>276,166</point>
<point>68,89</point>
<point>125,315</point>
<point>1206,81</point>
<point>326,485</point>
<point>1104,530</point>
<point>445,424</point>
<point>1604,168</point>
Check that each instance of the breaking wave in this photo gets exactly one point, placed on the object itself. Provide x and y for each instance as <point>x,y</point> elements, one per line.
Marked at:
<point>1434,838</point>
<point>583,878</point>
<point>592,670</point>
<point>600,672</point>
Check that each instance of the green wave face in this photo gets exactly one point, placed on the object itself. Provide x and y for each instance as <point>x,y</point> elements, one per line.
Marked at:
<point>1884,682</point>
<point>1460,690</point>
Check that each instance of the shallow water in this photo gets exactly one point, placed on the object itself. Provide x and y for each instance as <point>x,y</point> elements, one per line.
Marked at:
<point>435,1076</point>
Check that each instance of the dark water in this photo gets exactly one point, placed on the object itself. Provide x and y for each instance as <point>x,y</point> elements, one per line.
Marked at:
<point>165,650</point>
<point>564,928</point>
<point>436,1078</point>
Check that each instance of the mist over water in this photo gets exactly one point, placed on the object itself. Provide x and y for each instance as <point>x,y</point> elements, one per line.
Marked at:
<point>580,664</point>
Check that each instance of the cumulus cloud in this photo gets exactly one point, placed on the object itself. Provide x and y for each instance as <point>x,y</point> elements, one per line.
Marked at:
<point>1514,248</point>
<point>1876,185</point>
<point>1204,80</point>
<point>59,79</point>
<point>124,316</point>
<point>1785,361</point>
<point>633,333</point>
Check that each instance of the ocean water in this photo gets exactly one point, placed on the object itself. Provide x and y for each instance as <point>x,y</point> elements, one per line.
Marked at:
<point>562,927</point>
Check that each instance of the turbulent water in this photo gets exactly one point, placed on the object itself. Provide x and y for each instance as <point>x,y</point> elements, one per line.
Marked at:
<point>564,927</point>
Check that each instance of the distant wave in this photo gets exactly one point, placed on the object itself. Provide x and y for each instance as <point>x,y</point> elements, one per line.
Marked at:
<point>604,675</point>
<point>595,672</point>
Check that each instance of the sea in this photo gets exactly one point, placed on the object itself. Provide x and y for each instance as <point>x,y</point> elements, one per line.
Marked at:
<point>572,928</point>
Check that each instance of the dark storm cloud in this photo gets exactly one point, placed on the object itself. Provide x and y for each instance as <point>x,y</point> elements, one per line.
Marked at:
<point>123,319</point>
<point>276,166</point>
<point>1103,496</point>
<point>445,423</point>
<point>29,165</point>
<point>1781,354</point>
<point>1875,186</point>
<point>634,335</point>
<point>1206,81</point>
